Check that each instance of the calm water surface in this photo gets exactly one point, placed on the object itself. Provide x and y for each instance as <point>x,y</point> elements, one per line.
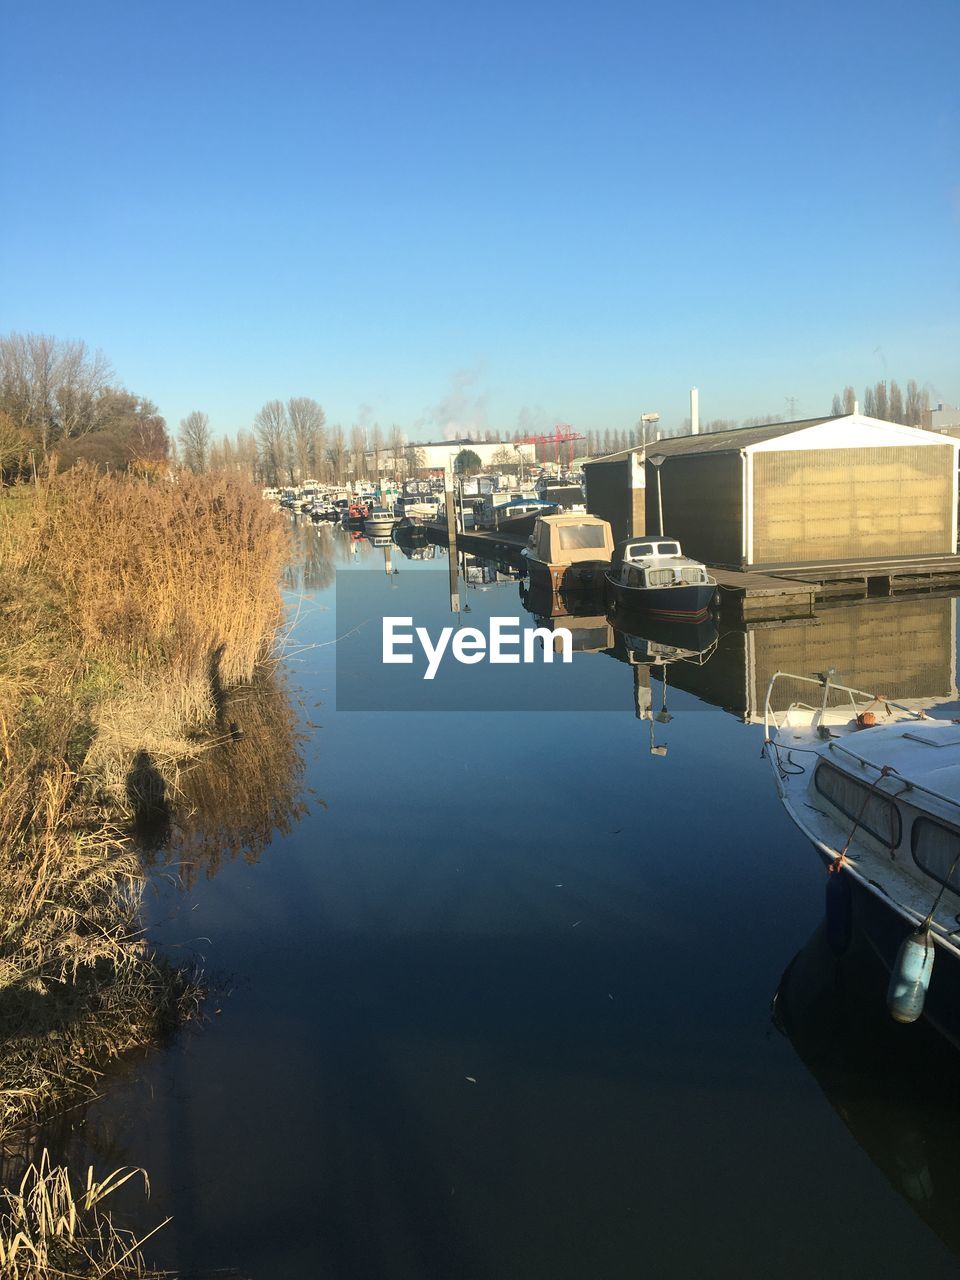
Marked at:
<point>499,1004</point>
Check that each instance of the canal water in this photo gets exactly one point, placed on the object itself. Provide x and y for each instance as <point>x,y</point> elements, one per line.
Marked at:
<point>536,990</point>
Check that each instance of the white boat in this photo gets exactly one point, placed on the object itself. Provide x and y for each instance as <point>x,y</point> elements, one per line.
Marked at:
<point>875,786</point>
<point>378,522</point>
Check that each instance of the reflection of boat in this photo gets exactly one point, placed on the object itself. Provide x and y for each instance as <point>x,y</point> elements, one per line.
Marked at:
<point>653,575</point>
<point>478,571</point>
<point>410,533</point>
<point>672,641</point>
<point>896,1095</point>
<point>569,553</point>
<point>880,802</point>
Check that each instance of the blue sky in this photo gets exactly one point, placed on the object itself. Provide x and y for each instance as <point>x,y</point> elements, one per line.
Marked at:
<point>487,216</point>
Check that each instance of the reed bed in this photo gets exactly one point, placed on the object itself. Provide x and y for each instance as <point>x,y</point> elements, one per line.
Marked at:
<point>127,607</point>
<point>53,1229</point>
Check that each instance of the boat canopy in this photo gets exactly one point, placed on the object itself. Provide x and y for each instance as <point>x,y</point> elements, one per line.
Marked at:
<point>571,539</point>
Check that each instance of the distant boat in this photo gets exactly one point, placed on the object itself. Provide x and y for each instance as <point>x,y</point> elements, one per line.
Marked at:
<point>520,515</point>
<point>652,575</point>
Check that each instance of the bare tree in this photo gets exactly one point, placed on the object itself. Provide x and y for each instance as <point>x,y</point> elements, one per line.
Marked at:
<point>896,402</point>
<point>358,451</point>
<point>270,430</point>
<point>52,390</point>
<point>376,444</point>
<point>195,441</point>
<point>13,446</point>
<point>246,454</point>
<point>912,413</point>
<point>336,452</point>
<point>881,401</point>
<point>396,451</point>
<point>306,423</point>
<point>836,409</point>
<point>849,399</point>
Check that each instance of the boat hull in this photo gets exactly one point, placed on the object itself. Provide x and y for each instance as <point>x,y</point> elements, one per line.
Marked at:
<point>680,604</point>
<point>379,528</point>
<point>586,578</point>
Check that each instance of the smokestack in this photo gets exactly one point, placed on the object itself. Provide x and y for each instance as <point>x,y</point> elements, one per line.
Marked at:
<point>694,411</point>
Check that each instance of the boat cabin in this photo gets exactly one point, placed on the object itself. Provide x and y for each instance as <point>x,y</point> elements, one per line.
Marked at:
<point>657,562</point>
<point>571,539</point>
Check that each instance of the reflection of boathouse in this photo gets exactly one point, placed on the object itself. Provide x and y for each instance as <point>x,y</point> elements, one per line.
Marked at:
<point>898,648</point>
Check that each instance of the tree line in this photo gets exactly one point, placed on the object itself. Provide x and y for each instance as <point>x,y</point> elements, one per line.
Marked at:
<point>889,403</point>
<point>59,399</point>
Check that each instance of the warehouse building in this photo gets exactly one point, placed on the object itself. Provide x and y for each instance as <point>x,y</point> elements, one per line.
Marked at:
<point>615,488</point>
<point>821,491</point>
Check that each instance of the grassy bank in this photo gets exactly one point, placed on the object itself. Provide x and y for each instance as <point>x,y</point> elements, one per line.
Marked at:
<point>128,607</point>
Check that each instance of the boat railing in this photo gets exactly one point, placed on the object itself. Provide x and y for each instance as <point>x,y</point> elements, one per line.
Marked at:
<point>858,697</point>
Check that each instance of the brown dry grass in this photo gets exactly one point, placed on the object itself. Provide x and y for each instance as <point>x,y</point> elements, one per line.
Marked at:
<point>127,607</point>
<point>51,1229</point>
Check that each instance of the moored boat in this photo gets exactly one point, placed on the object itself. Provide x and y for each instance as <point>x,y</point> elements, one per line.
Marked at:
<point>875,786</point>
<point>652,575</point>
<point>379,521</point>
<point>569,553</point>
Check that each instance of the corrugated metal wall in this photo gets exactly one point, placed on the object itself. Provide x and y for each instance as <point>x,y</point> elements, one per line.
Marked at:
<point>852,504</point>
<point>611,497</point>
<point>702,505</point>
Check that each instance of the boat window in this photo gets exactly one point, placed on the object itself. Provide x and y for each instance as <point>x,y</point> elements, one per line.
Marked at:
<point>634,576</point>
<point>580,537</point>
<point>877,814</point>
<point>669,549</point>
<point>693,574</point>
<point>640,549</point>
<point>936,850</point>
<point>659,577</point>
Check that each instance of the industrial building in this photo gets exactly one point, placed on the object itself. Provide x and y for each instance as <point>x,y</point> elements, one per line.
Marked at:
<point>821,491</point>
<point>435,455</point>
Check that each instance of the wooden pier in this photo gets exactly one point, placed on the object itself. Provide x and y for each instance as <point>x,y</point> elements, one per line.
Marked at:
<point>760,595</point>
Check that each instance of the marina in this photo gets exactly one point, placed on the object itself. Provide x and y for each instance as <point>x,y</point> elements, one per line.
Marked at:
<point>480,659</point>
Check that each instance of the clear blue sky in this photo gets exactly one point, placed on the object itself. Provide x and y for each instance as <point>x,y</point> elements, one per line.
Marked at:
<point>487,215</point>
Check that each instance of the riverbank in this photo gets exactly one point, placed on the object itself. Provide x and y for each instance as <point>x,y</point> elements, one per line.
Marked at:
<point>129,606</point>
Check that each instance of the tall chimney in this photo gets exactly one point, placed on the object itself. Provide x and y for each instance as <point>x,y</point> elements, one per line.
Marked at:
<point>694,411</point>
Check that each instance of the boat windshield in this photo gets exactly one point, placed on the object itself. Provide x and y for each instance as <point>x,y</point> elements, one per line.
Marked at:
<point>668,549</point>
<point>579,537</point>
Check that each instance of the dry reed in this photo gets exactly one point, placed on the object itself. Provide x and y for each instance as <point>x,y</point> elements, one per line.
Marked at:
<point>127,607</point>
<point>52,1230</point>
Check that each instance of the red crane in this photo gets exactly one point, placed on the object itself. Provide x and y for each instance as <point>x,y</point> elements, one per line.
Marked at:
<point>563,434</point>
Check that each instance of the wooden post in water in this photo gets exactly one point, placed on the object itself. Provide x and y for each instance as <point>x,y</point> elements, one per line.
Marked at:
<point>452,559</point>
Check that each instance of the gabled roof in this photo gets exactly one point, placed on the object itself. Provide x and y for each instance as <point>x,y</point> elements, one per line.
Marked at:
<point>844,430</point>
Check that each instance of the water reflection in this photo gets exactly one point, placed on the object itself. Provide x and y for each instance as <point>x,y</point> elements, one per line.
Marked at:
<point>897,1093</point>
<point>904,649</point>
<point>243,789</point>
<point>311,566</point>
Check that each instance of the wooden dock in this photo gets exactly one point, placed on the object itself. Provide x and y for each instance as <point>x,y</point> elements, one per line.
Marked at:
<point>760,595</point>
<point>499,546</point>
<point>860,579</point>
